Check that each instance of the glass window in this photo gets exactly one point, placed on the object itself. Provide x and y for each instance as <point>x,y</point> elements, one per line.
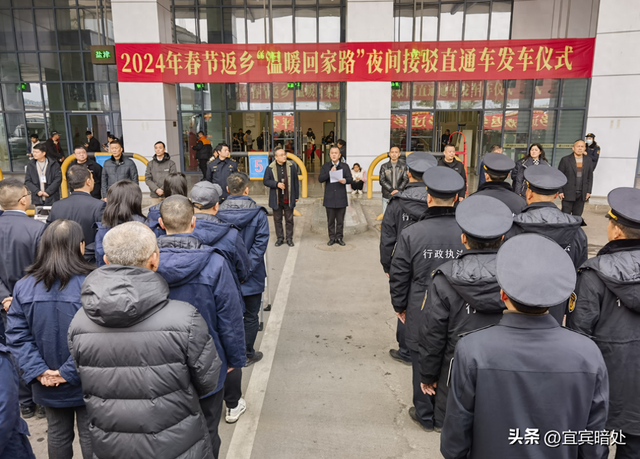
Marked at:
<point>28,66</point>
<point>329,96</point>
<point>403,23</point>
<point>55,122</point>
<point>261,96</point>
<point>451,22</point>
<point>500,21</point>
<point>574,93</point>
<point>189,100</point>
<point>305,2</point>
<point>65,2</point>
<point>423,94</point>
<point>282,97</point>
<point>401,97</point>
<point>543,126</point>
<point>519,93</point>
<point>399,131</point>
<point>45,30</point>
<point>233,2</point>
<point>257,25</point>
<point>94,72</point>
<point>74,96</point>
<point>546,93</point>
<point>215,127</point>
<point>50,66</point>
<point>7,40</point>
<point>4,147</point>
<point>35,125</point>
<point>306,97</point>
<point>570,128</point>
<point>492,129</point>
<point>32,97</point>
<point>237,96</point>
<point>43,2</point>
<point>422,131</point>
<point>192,123</point>
<point>52,93</point>
<point>210,25</point>
<point>447,96</point>
<point>12,96</point>
<point>283,130</point>
<point>516,133</point>
<point>17,130</point>
<point>216,97</point>
<point>201,2</point>
<point>495,94</point>
<point>282,25</point>
<point>234,26</point>
<point>71,64</point>
<point>25,33</point>
<point>115,96</point>
<point>98,96</point>
<point>471,94</point>
<point>89,28</point>
<point>476,23</point>
<point>185,25</point>
<point>427,22</point>
<point>329,31</point>
<point>9,68</point>
<point>306,25</point>
<point>67,25</point>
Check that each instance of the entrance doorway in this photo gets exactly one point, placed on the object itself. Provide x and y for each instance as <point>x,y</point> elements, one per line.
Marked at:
<point>79,124</point>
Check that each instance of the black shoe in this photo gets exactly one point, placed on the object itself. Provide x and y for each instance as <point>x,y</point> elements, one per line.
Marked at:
<point>341,242</point>
<point>331,242</point>
<point>414,418</point>
<point>290,243</point>
<point>279,242</point>
<point>40,412</point>
<point>256,358</point>
<point>28,411</point>
<point>395,355</point>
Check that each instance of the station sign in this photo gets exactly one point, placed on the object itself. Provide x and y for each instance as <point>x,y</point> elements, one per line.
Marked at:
<point>103,54</point>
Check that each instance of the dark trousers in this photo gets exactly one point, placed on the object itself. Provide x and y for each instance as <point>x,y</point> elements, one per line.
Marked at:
<point>423,403</point>
<point>357,185</point>
<point>233,388</point>
<point>287,212</point>
<point>573,207</point>
<point>401,331</point>
<point>202,164</point>
<point>212,409</point>
<point>335,221</point>
<point>631,450</point>
<point>61,434</point>
<point>251,321</point>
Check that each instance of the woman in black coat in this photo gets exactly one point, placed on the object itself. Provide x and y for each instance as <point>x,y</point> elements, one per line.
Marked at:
<point>534,157</point>
<point>45,186</point>
<point>335,195</point>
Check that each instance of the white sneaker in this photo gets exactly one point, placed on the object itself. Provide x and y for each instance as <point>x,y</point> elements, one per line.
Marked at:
<point>233,414</point>
<point>354,192</point>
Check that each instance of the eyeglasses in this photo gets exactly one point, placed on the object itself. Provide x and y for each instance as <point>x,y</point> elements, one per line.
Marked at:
<point>28,194</point>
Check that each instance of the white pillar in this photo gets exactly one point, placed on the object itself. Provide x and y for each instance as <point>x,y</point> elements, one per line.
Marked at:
<point>368,108</point>
<point>149,110</point>
<point>614,112</point>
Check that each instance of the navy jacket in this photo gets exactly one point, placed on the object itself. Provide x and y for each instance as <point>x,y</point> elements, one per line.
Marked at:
<point>102,231</point>
<point>38,321</point>
<point>80,207</point>
<point>243,213</point>
<point>200,276</point>
<point>218,171</point>
<point>153,217</point>
<point>13,429</point>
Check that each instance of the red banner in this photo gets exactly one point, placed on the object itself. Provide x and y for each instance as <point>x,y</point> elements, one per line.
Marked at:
<point>397,61</point>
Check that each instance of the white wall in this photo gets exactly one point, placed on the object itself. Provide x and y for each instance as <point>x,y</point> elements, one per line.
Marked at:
<point>554,19</point>
<point>614,108</point>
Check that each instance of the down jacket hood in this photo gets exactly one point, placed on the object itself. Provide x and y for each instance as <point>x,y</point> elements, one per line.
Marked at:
<point>211,232</point>
<point>618,266</point>
<point>473,277</point>
<point>121,296</point>
<point>413,200</point>
<point>547,220</point>
<point>188,258</point>
<point>239,212</point>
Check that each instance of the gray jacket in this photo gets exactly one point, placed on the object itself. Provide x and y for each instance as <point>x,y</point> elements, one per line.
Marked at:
<point>386,178</point>
<point>113,171</point>
<point>143,361</point>
<point>156,172</point>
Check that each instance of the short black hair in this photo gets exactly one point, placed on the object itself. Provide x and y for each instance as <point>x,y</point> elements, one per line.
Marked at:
<point>88,133</point>
<point>497,177</point>
<point>79,147</point>
<point>116,141</point>
<point>175,184</point>
<point>477,244</point>
<point>341,143</point>
<point>415,174</point>
<point>220,145</point>
<point>579,140</point>
<point>34,136</point>
<point>77,176</point>
<point>200,132</point>
<point>248,131</point>
<point>40,146</point>
<point>449,145</point>
<point>528,309</point>
<point>237,183</point>
<point>160,142</point>
<point>11,192</point>
<point>629,233</point>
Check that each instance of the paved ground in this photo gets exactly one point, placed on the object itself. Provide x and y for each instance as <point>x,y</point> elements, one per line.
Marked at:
<point>327,387</point>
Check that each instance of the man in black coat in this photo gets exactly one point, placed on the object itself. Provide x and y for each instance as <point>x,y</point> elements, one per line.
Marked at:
<point>404,209</point>
<point>92,144</point>
<point>464,294</point>
<point>219,170</point>
<point>282,178</point>
<point>43,177</point>
<point>335,195</point>
<point>421,248</point>
<point>204,151</point>
<point>80,207</point>
<point>117,168</point>
<point>393,177</point>
<point>579,175</point>
<point>54,149</point>
<point>449,160</point>
<point>496,169</point>
<point>607,309</point>
<point>526,387</point>
<point>96,169</point>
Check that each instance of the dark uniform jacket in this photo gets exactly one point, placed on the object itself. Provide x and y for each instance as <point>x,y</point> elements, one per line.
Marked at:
<point>218,172</point>
<point>293,184</point>
<point>157,171</point>
<point>524,373</point>
<point>569,168</point>
<point>404,209</point>
<point>464,296</point>
<point>457,166</point>
<point>54,150</point>
<point>144,361</point>
<point>517,175</point>
<point>335,194</point>
<point>53,175</point>
<point>96,170</point>
<point>608,309</point>
<point>593,152</point>
<point>502,191</point>
<point>81,208</point>
<point>386,177</point>
<point>421,248</point>
<point>114,171</point>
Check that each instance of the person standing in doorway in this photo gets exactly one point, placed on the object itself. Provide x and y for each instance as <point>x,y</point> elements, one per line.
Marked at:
<point>92,145</point>
<point>342,145</point>
<point>248,140</point>
<point>593,149</point>
<point>204,152</point>
<point>54,149</point>
<point>444,139</point>
<point>158,169</point>
<point>481,178</point>
<point>219,170</point>
<point>335,195</point>
<point>449,160</point>
<point>579,175</point>
<point>393,177</point>
<point>260,141</point>
<point>282,178</point>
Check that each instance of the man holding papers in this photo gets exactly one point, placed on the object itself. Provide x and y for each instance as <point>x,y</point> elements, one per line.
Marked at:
<point>336,175</point>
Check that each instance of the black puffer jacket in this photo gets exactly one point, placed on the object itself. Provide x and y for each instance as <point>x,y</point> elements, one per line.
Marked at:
<point>404,209</point>
<point>463,297</point>
<point>143,361</point>
<point>608,309</point>
<point>386,177</point>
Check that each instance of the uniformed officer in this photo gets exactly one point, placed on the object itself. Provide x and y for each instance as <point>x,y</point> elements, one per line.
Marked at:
<point>219,170</point>
<point>496,170</point>
<point>464,294</point>
<point>607,308</point>
<point>404,209</point>
<point>421,248</point>
<point>515,385</point>
<point>593,149</point>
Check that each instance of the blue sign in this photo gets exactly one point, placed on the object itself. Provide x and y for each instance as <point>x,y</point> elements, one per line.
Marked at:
<point>258,163</point>
<point>101,158</point>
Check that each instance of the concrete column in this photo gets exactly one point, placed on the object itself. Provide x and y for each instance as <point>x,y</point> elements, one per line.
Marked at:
<point>149,110</point>
<point>614,112</point>
<point>368,107</point>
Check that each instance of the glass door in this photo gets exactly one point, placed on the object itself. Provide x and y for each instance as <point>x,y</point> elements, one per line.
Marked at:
<point>284,131</point>
<point>399,130</point>
<point>99,125</point>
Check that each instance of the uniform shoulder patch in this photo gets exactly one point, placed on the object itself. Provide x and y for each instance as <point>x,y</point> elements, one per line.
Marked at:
<point>572,301</point>
<point>462,335</point>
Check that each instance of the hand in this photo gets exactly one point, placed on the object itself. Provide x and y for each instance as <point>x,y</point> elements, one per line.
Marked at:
<point>460,199</point>
<point>429,389</point>
<point>40,193</point>
<point>588,196</point>
<point>387,275</point>
<point>46,195</point>
<point>229,370</point>
<point>281,186</point>
<point>159,192</point>
<point>394,192</point>
<point>296,200</point>
<point>402,316</point>
<point>7,302</point>
<point>561,195</point>
<point>333,168</point>
<point>51,378</point>
<point>343,181</point>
